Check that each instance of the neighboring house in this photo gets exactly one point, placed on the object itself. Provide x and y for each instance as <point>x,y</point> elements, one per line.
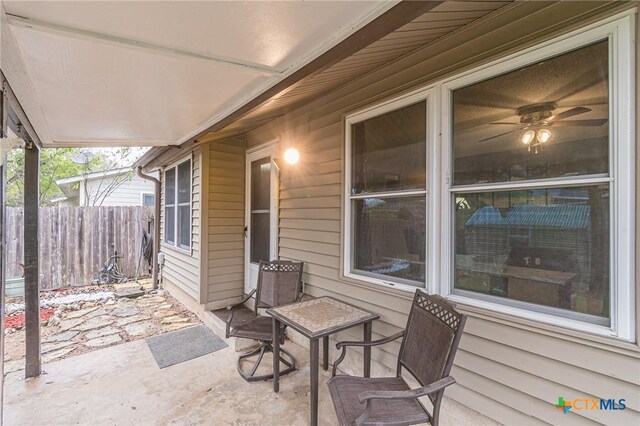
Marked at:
<point>531,105</point>
<point>117,187</point>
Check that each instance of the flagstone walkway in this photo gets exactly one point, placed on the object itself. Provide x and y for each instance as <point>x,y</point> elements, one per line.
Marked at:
<point>81,327</point>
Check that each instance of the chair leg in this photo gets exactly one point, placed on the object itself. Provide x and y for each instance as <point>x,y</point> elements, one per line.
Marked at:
<point>435,418</point>
<point>265,347</point>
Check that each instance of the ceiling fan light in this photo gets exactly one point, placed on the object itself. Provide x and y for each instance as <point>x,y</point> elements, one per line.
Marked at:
<point>528,136</point>
<point>543,135</point>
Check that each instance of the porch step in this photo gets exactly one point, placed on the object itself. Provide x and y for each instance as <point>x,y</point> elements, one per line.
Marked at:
<point>217,320</point>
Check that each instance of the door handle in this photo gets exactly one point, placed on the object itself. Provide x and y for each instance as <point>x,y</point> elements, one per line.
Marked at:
<point>246,228</point>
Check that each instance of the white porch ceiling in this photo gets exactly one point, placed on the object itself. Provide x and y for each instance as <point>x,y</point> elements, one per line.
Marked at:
<point>157,73</point>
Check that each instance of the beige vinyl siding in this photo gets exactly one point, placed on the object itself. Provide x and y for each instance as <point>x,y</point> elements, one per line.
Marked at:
<point>225,216</point>
<point>511,371</point>
<point>182,267</point>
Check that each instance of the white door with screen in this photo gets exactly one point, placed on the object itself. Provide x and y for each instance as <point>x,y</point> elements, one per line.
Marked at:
<point>261,212</point>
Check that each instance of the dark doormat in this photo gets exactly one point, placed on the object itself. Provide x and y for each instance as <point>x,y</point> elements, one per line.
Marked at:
<point>182,345</point>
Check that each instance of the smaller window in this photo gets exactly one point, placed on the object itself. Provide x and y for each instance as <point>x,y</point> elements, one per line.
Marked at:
<point>148,200</point>
<point>386,190</point>
<point>177,206</point>
<point>170,206</point>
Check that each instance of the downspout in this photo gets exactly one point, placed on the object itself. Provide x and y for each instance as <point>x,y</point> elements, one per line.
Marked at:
<point>156,225</point>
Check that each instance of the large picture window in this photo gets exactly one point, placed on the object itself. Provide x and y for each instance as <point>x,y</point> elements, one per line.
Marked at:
<point>538,154</point>
<point>387,194</point>
<point>177,205</point>
<point>523,203</point>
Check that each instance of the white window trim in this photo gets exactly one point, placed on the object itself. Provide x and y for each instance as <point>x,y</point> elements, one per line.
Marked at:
<point>175,244</point>
<point>427,95</point>
<point>619,30</point>
<point>164,207</point>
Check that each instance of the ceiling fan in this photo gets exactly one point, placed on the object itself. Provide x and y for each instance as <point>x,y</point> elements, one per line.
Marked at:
<point>536,121</point>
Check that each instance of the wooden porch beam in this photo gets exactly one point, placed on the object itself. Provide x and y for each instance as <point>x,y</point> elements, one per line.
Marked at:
<point>31,258</point>
<point>14,117</point>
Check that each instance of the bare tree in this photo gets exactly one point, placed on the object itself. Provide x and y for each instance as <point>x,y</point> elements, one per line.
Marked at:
<point>106,187</point>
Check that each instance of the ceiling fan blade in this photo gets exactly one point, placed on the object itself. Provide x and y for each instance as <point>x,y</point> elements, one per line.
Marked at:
<point>588,78</point>
<point>497,136</point>
<point>580,123</point>
<point>568,113</point>
<point>504,122</point>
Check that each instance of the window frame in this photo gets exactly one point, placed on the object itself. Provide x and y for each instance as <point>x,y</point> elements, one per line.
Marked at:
<point>146,194</point>
<point>426,95</point>
<point>167,241</point>
<point>619,29</point>
<point>175,243</point>
<point>621,178</point>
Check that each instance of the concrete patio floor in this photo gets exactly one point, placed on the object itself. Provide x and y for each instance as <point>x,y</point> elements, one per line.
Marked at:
<point>123,385</point>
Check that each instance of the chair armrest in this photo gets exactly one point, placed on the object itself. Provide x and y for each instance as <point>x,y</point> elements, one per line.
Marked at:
<point>345,344</point>
<point>369,396</point>
<point>243,301</point>
<point>412,393</point>
<point>232,311</point>
<point>371,343</point>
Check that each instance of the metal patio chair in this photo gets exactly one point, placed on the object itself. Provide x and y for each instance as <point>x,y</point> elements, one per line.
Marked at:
<point>429,344</point>
<point>279,283</point>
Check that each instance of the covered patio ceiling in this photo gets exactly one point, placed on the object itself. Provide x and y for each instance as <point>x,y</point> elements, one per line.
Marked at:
<point>144,73</point>
<point>157,73</point>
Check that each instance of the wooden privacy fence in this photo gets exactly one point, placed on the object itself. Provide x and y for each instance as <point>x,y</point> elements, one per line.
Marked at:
<point>75,242</point>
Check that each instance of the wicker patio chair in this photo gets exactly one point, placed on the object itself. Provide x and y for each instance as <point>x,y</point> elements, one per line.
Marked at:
<point>279,283</point>
<point>429,344</point>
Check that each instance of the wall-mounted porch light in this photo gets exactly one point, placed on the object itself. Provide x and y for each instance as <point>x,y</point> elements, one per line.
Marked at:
<point>291,156</point>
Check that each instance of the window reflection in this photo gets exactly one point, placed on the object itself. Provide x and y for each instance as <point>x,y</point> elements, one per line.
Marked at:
<point>546,120</point>
<point>389,236</point>
<point>544,246</point>
<point>389,151</point>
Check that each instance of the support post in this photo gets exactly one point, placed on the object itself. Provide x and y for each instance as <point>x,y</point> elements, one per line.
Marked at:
<point>3,244</point>
<point>3,263</point>
<point>31,258</point>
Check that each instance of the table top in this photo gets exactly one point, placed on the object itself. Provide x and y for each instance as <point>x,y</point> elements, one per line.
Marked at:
<point>321,317</point>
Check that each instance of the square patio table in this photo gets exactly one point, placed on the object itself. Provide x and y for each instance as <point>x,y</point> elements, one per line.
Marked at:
<point>315,319</point>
